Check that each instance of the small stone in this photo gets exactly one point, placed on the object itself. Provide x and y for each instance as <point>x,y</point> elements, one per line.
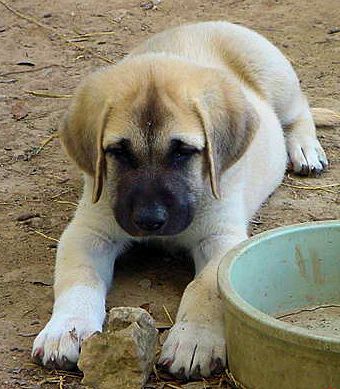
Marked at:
<point>333,30</point>
<point>26,216</point>
<point>145,283</point>
<point>122,356</point>
<point>34,222</point>
<point>18,110</point>
<point>15,370</point>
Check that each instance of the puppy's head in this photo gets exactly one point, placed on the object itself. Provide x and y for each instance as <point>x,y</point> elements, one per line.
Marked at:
<point>158,134</point>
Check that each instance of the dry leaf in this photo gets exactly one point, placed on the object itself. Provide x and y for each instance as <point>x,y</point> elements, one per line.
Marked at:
<point>19,111</point>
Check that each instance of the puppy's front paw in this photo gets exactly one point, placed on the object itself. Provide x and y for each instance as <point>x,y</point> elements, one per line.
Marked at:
<point>194,350</point>
<point>306,155</point>
<point>58,344</point>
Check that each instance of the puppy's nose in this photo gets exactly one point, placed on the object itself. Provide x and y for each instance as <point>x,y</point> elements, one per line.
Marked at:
<point>151,217</point>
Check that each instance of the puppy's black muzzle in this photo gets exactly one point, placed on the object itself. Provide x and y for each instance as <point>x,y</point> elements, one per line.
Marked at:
<point>153,205</point>
<point>150,217</point>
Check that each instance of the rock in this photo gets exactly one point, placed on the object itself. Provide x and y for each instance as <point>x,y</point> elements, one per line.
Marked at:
<point>122,356</point>
<point>18,110</point>
<point>34,222</point>
<point>26,216</point>
<point>145,283</point>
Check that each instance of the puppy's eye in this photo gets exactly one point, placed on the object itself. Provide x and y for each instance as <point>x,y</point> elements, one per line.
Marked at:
<point>122,153</point>
<point>181,152</point>
<point>116,151</point>
<point>184,153</point>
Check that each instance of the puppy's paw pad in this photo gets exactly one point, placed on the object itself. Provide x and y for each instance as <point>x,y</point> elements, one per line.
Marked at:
<point>306,156</point>
<point>194,350</point>
<point>58,345</point>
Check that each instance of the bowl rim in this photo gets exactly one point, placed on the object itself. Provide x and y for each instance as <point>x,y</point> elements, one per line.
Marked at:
<point>259,320</point>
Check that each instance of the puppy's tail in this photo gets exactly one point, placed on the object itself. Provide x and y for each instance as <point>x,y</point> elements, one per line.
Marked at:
<point>324,117</point>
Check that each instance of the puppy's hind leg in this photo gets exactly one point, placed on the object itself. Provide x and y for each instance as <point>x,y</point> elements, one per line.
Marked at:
<point>306,155</point>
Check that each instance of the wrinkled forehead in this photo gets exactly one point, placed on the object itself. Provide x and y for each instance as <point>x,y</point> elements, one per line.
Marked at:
<point>152,118</point>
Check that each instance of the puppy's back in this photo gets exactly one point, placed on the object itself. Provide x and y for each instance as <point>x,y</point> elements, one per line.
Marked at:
<point>247,55</point>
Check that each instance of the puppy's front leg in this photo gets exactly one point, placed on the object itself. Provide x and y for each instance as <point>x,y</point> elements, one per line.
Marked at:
<point>196,344</point>
<point>83,275</point>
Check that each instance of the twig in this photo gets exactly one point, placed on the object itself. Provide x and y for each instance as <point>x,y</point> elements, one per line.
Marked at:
<point>308,310</point>
<point>322,187</point>
<point>46,236</point>
<point>60,194</point>
<point>27,312</point>
<point>168,315</point>
<point>66,202</point>
<point>28,18</point>
<point>77,40</point>
<point>92,34</point>
<point>51,380</point>
<point>167,384</point>
<point>61,382</point>
<point>155,372</point>
<point>87,50</point>
<point>162,326</point>
<point>66,373</point>
<point>45,142</point>
<point>47,94</point>
<point>11,81</point>
<point>59,36</point>
<point>233,381</point>
<point>303,184</point>
<point>28,70</point>
<point>319,186</point>
<point>28,335</point>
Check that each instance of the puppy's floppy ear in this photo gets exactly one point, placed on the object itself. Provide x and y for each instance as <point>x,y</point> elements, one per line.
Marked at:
<point>229,123</point>
<point>82,135</point>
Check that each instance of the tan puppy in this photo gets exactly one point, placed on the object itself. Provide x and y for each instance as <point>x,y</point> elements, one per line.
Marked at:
<point>181,142</point>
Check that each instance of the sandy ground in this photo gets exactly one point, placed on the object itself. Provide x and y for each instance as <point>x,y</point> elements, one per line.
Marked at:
<point>321,320</point>
<point>39,185</point>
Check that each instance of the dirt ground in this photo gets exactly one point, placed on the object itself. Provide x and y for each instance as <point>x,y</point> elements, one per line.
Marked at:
<point>39,186</point>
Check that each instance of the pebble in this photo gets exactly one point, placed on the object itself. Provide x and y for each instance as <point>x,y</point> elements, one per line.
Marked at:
<point>26,216</point>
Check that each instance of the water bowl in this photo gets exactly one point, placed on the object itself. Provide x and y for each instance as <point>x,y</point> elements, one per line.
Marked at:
<point>281,291</point>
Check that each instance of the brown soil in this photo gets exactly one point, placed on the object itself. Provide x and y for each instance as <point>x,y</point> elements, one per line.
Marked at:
<point>40,185</point>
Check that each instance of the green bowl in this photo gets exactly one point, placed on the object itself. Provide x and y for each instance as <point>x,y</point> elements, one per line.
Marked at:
<point>280,273</point>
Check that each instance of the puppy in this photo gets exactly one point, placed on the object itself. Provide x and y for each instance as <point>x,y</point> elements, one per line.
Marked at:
<point>180,143</point>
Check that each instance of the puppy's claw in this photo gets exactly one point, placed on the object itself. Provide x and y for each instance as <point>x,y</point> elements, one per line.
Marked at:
<point>38,355</point>
<point>195,350</point>
<point>216,366</point>
<point>60,364</point>
<point>165,364</point>
<point>180,374</point>
<point>196,373</point>
<point>306,156</point>
<point>58,344</point>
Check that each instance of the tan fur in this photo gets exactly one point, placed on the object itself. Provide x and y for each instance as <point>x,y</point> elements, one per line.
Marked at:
<point>154,105</point>
<point>229,124</point>
<point>100,162</point>
<point>324,117</point>
<point>239,65</point>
